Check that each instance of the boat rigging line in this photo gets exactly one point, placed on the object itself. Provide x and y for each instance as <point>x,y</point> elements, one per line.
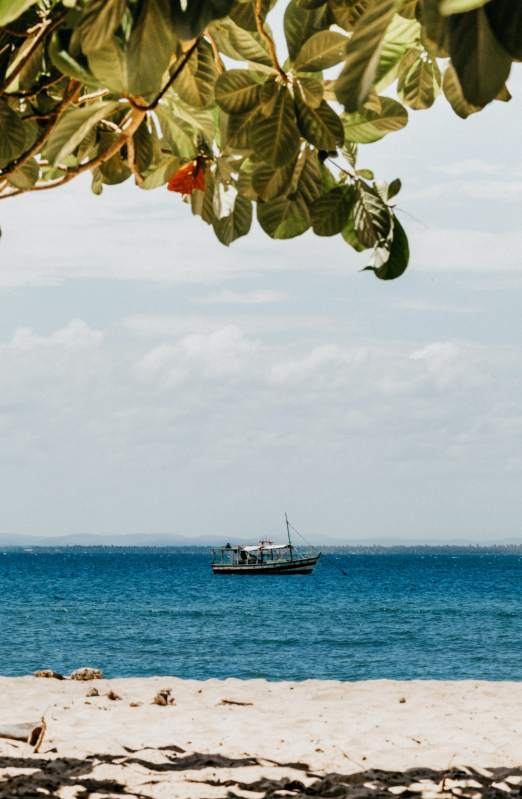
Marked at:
<point>311,545</point>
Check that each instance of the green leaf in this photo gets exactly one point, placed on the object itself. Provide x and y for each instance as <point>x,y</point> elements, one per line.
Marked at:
<point>459,6</point>
<point>150,47</point>
<point>69,66</point>
<point>283,218</point>
<point>268,182</point>
<point>239,128</point>
<point>97,181</point>
<point>367,174</point>
<point>323,50</point>
<point>307,179</point>
<point>367,126</point>
<point>481,63</point>
<point>191,18</point>
<point>330,212</point>
<point>236,224</point>
<point>12,9</point>
<point>143,148</point>
<point>310,4</point>
<point>98,21</point>
<point>199,118</point>
<point>115,170</point>
<point>25,177</point>
<point>453,94</point>
<point>311,91</point>
<point>275,139</point>
<point>243,14</point>
<point>196,87</point>
<point>320,126</point>
<point>505,20</point>
<point>12,133</point>
<point>236,91</point>
<point>394,188</point>
<point>162,173</point>
<point>109,65</point>
<point>299,26</point>
<point>371,217</point>
<point>74,126</point>
<point>349,151</point>
<point>178,133</point>
<point>408,9</point>
<point>350,236</point>
<point>401,35</point>
<point>362,55</point>
<point>250,46</point>
<point>399,256</point>
<point>419,83</point>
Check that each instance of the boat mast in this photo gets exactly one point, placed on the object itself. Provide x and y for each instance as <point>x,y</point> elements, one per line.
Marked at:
<point>289,540</point>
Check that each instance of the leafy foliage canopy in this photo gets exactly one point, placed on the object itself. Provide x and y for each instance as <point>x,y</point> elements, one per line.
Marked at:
<point>192,94</point>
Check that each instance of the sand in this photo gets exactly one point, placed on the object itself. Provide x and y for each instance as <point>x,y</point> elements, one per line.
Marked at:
<point>325,738</point>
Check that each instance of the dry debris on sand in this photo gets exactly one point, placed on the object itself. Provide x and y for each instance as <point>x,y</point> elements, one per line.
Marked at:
<point>231,739</point>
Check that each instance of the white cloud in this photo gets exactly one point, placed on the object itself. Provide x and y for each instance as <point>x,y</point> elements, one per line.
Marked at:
<point>227,297</point>
<point>446,249</point>
<point>488,190</point>
<point>423,305</point>
<point>134,431</point>
<point>468,166</point>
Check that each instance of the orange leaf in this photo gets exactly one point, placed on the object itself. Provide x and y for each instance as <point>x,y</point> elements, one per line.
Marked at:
<point>189,177</point>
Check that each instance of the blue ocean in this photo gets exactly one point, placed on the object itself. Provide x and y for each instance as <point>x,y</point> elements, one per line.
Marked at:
<point>394,616</point>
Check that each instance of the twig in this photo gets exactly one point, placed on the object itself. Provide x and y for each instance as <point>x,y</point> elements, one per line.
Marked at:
<point>128,130</point>
<point>340,168</point>
<point>29,93</point>
<point>131,161</point>
<point>111,125</point>
<point>413,217</point>
<point>40,737</point>
<point>217,55</point>
<point>271,46</point>
<point>21,34</point>
<point>74,88</point>
<point>46,28</point>
<point>93,96</point>
<point>169,83</point>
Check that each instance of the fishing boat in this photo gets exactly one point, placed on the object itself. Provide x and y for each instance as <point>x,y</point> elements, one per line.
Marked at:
<point>266,558</point>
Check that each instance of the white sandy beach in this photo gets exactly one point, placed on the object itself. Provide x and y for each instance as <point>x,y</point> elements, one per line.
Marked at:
<point>200,747</point>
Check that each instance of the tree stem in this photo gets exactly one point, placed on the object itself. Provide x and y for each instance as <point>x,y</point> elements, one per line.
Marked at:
<point>74,88</point>
<point>271,46</point>
<point>217,55</point>
<point>44,31</point>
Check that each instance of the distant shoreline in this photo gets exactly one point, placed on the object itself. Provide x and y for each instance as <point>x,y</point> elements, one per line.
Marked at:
<point>500,549</point>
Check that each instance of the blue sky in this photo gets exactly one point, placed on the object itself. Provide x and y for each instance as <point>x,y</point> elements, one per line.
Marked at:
<point>153,381</point>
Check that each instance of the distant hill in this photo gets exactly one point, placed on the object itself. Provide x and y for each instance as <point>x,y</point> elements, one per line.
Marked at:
<point>175,541</point>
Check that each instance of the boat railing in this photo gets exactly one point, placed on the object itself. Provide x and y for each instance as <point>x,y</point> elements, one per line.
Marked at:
<point>247,555</point>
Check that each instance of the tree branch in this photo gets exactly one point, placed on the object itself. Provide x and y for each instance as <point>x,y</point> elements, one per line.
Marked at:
<point>217,55</point>
<point>47,27</point>
<point>271,46</point>
<point>93,96</point>
<point>169,83</point>
<point>28,94</point>
<point>74,88</point>
<point>131,161</point>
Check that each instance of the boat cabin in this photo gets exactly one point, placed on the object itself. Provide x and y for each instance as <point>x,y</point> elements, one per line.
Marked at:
<point>264,553</point>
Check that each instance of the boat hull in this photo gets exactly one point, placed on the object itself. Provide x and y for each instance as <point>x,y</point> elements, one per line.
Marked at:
<point>301,566</point>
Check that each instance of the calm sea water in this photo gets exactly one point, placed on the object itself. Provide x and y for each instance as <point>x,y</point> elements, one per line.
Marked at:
<point>401,617</point>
